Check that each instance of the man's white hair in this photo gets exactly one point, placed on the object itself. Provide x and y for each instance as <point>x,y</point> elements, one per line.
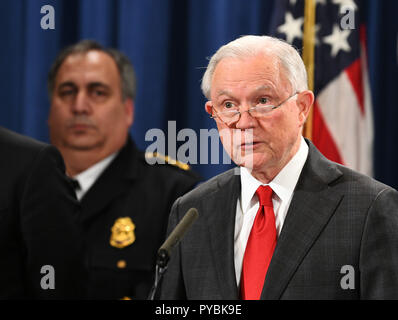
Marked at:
<point>250,46</point>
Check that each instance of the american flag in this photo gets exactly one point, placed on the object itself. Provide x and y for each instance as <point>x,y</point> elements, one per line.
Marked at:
<point>342,120</point>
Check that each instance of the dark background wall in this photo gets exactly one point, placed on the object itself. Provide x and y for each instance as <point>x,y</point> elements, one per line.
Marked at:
<point>169,42</point>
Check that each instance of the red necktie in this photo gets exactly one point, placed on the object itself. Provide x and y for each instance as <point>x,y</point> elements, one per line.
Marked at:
<point>260,247</point>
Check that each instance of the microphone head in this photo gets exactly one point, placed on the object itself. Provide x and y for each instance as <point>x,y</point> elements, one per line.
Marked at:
<point>193,213</point>
<point>176,235</point>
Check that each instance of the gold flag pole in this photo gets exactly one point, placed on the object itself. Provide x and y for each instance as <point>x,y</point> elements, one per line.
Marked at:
<point>309,55</point>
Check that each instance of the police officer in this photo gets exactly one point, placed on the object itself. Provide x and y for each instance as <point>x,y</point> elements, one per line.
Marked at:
<point>125,201</point>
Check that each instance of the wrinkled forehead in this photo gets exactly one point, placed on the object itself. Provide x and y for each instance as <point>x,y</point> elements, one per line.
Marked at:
<point>260,72</point>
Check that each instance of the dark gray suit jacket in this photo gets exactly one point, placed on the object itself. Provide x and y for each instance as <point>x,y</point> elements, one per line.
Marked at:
<point>337,218</point>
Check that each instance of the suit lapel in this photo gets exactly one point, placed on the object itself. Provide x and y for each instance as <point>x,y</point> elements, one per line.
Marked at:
<point>310,210</point>
<point>221,224</point>
<point>112,182</point>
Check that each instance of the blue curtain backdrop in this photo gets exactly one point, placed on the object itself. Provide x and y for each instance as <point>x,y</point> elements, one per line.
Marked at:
<point>169,42</point>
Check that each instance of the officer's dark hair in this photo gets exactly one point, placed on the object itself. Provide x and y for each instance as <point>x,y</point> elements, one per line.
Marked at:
<point>126,70</point>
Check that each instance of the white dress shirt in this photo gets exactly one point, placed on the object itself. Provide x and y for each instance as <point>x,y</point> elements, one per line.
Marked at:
<point>87,178</point>
<point>283,186</point>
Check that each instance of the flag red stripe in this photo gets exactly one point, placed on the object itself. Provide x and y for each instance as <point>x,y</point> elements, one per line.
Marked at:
<point>354,73</point>
<point>322,138</point>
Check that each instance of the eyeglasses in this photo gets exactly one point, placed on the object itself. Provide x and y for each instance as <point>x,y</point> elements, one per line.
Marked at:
<point>232,116</point>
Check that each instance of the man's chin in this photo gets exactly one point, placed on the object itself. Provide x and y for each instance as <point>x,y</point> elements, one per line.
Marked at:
<point>248,158</point>
<point>252,162</point>
<point>245,161</point>
<point>82,145</point>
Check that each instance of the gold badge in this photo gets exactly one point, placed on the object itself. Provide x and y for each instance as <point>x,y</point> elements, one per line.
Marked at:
<point>122,233</point>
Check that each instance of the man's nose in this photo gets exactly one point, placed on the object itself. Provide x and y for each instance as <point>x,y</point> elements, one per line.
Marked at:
<point>245,121</point>
<point>81,104</point>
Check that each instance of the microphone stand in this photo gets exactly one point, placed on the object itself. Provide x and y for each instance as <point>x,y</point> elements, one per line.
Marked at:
<point>164,251</point>
<point>161,267</point>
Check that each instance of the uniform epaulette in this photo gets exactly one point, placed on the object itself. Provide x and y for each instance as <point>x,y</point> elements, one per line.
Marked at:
<point>168,160</point>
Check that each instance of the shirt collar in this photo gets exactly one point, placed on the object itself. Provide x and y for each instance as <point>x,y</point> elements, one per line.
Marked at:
<point>283,184</point>
<point>87,178</point>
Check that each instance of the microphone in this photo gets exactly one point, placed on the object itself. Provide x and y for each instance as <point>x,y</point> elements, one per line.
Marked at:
<point>175,236</point>
<point>165,249</point>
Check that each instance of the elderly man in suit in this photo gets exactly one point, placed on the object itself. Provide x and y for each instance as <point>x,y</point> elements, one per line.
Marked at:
<point>288,223</point>
<point>40,245</point>
<point>125,201</point>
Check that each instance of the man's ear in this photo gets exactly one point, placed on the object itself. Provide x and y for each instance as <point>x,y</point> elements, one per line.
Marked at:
<point>129,109</point>
<point>208,107</point>
<point>305,100</point>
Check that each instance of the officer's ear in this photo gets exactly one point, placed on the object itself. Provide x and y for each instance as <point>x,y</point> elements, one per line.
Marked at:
<point>129,110</point>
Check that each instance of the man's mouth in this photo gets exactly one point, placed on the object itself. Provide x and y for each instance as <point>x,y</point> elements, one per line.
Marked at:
<point>249,145</point>
<point>80,126</point>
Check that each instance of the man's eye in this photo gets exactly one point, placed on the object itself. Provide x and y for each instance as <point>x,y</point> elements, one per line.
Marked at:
<point>99,93</point>
<point>229,105</point>
<point>65,93</point>
<point>263,101</point>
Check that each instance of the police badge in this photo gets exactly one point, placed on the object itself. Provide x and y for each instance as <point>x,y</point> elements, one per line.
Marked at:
<point>122,233</point>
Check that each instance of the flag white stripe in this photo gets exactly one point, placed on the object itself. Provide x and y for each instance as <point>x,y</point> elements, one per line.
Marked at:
<point>369,122</point>
<point>348,127</point>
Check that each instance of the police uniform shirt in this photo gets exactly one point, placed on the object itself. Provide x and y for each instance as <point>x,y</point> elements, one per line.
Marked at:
<point>88,177</point>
